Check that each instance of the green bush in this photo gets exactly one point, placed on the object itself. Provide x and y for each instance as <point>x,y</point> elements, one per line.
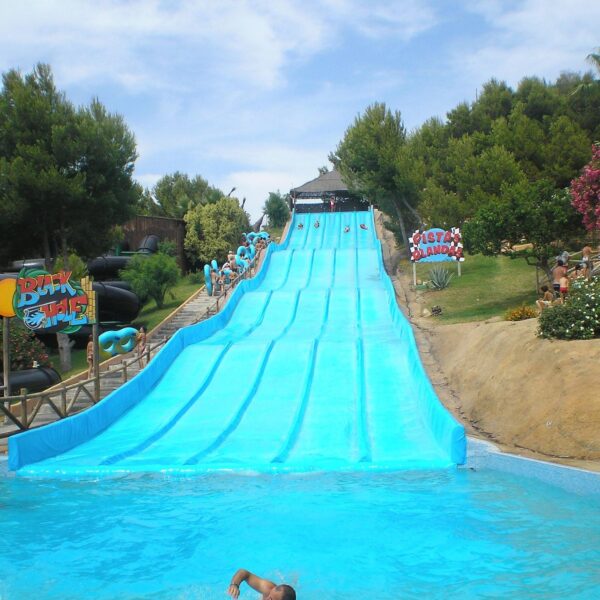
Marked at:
<point>521,313</point>
<point>167,247</point>
<point>74,264</point>
<point>151,276</point>
<point>24,348</point>
<point>197,277</point>
<point>440,277</point>
<point>578,318</point>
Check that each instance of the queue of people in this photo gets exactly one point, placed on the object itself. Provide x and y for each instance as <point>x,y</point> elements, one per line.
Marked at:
<point>237,263</point>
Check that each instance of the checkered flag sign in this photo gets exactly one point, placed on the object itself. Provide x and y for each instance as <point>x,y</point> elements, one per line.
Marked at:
<point>437,244</point>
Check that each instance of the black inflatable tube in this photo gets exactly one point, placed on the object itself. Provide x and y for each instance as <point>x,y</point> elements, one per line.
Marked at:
<point>107,267</point>
<point>115,304</point>
<point>33,380</point>
<point>149,245</point>
<point>123,285</point>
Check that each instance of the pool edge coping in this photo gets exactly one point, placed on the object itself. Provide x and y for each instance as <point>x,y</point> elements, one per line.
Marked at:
<point>482,454</point>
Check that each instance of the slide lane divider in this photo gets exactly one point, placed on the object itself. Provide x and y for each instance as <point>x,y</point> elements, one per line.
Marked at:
<point>341,225</point>
<point>363,425</point>
<point>287,273</point>
<point>333,269</point>
<point>295,431</point>
<point>222,437</point>
<point>299,418</point>
<point>174,420</point>
<point>237,419</point>
<point>307,226</point>
<point>259,321</point>
<point>310,269</point>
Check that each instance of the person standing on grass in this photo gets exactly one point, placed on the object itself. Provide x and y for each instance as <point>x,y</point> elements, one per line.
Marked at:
<point>268,589</point>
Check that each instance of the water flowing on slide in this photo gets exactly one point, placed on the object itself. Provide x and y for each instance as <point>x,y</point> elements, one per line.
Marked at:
<point>309,367</point>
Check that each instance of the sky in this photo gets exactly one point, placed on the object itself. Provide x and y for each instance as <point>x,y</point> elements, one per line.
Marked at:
<point>256,94</point>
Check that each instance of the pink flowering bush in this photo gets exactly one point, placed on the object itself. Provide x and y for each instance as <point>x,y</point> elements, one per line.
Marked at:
<point>585,191</point>
<point>24,348</point>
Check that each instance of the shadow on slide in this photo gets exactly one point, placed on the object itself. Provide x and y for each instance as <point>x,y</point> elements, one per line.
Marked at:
<point>310,366</point>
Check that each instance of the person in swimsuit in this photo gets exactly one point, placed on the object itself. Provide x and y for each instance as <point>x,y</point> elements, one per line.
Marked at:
<point>559,271</point>
<point>363,226</point>
<point>268,589</point>
<point>141,346</point>
<point>564,287</point>
<point>317,224</point>
<point>300,225</point>
<point>346,229</point>
<point>89,355</point>
<point>546,300</point>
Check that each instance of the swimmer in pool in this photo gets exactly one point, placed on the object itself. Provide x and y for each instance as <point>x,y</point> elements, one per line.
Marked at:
<point>267,588</point>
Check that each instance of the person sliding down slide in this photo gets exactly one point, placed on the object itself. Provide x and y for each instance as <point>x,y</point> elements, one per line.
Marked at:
<point>300,225</point>
<point>363,226</point>
<point>346,229</point>
<point>317,224</point>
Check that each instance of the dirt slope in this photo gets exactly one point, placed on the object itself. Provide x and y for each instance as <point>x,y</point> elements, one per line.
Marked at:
<point>522,391</point>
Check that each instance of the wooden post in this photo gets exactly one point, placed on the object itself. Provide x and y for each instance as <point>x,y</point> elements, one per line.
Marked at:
<point>6,354</point>
<point>24,407</point>
<point>96,354</point>
<point>124,371</point>
<point>415,274</point>
<point>63,401</point>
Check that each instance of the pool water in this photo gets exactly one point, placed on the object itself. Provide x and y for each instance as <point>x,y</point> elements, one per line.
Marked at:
<point>435,534</point>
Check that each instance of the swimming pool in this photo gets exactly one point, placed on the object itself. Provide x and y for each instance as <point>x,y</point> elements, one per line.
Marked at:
<point>423,534</point>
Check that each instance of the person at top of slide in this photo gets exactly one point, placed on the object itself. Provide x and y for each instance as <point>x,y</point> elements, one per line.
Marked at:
<point>268,589</point>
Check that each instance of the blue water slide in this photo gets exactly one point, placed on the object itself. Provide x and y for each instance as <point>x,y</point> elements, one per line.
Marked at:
<point>309,366</point>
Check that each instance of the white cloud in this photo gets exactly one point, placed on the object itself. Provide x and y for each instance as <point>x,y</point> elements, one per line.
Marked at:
<point>533,37</point>
<point>148,180</point>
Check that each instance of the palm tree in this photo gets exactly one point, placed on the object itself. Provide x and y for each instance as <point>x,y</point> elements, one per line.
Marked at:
<point>594,59</point>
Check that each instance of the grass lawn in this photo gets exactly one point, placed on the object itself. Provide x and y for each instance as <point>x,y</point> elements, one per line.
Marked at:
<point>489,286</point>
<point>149,317</point>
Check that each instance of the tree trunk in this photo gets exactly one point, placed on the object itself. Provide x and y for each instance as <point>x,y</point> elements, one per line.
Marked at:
<point>64,342</point>
<point>47,257</point>
<point>543,264</point>
<point>402,229</point>
<point>64,351</point>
